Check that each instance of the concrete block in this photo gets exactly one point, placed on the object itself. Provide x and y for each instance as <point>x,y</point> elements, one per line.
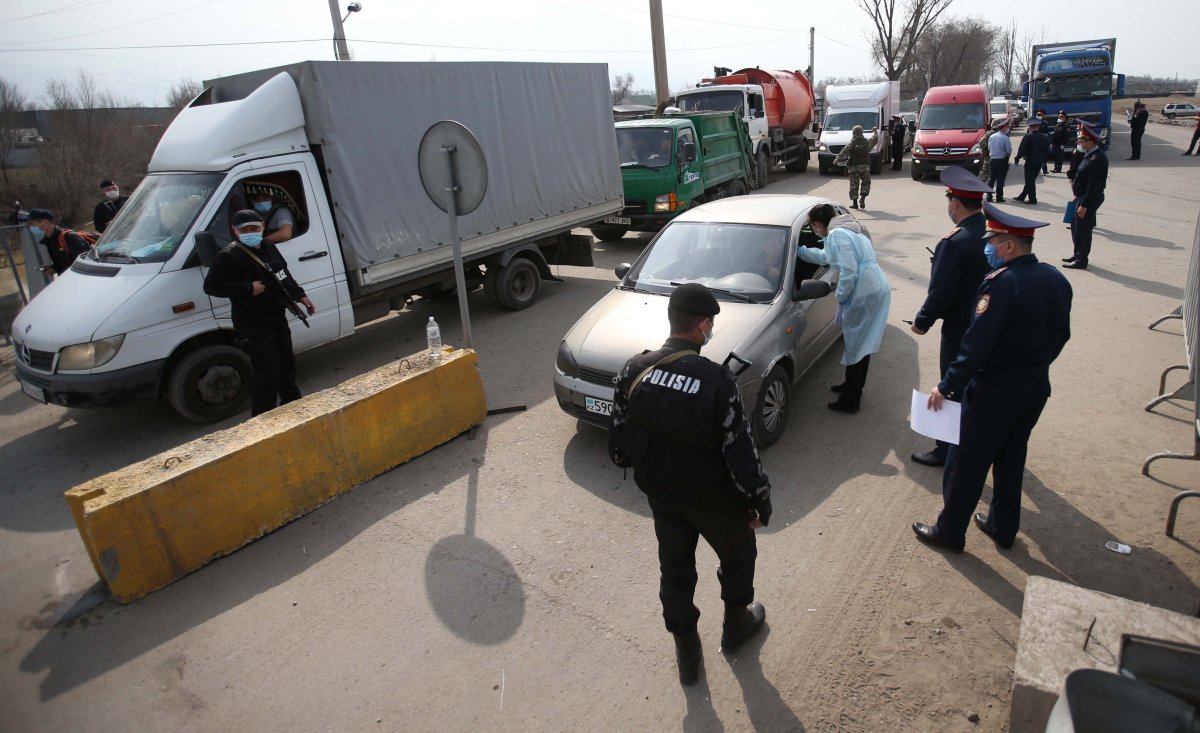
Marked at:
<point>153,522</point>
<point>1054,626</point>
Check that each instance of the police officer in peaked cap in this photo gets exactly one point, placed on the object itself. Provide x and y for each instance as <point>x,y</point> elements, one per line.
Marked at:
<point>958,268</point>
<point>678,421</point>
<point>1002,377</point>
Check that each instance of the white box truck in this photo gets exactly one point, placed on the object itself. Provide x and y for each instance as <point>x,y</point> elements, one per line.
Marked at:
<point>869,105</point>
<point>338,142</point>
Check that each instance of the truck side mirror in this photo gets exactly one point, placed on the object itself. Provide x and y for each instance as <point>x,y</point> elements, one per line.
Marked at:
<point>912,126</point>
<point>816,128</point>
<point>622,270</point>
<point>688,152</point>
<point>207,248</point>
<point>1120,85</point>
<point>812,289</point>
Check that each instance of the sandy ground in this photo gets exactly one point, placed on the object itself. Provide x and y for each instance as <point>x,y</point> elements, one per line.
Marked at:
<point>508,582</point>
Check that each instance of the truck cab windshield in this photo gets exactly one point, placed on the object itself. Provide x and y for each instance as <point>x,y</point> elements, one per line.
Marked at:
<point>1074,87</point>
<point>952,117</point>
<point>840,121</point>
<point>152,224</point>
<point>645,147</point>
<point>722,101</point>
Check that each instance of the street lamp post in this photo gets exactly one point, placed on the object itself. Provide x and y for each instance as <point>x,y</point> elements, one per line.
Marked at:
<point>340,50</point>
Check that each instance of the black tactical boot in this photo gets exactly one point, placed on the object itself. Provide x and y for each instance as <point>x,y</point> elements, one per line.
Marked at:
<point>688,654</point>
<point>853,204</point>
<point>741,623</point>
<point>862,202</point>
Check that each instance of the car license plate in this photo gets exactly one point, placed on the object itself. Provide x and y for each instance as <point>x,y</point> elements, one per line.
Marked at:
<point>623,220</point>
<point>600,407</point>
<point>33,391</point>
<point>940,167</point>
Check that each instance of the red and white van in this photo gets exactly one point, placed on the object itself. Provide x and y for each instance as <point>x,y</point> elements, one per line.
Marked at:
<point>950,130</point>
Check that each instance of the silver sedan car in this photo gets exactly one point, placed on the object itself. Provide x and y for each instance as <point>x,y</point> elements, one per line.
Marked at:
<point>775,320</point>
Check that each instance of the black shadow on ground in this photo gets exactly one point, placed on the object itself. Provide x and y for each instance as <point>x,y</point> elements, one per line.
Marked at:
<point>764,705</point>
<point>1122,238</point>
<point>1136,283</point>
<point>701,717</point>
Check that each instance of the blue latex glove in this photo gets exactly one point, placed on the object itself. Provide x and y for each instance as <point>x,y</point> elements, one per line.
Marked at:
<point>837,318</point>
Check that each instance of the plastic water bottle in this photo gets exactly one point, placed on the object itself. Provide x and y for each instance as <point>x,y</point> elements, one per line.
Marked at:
<point>433,335</point>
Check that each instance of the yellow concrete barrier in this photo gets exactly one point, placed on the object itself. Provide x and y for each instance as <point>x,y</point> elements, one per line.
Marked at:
<point>153,522</point>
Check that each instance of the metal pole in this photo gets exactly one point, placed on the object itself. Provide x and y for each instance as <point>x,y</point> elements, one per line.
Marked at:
<point>460,279</point>
<point>341,50</point>
<point>16,273</point>
<point>659,45</point>
<point>812,54</point>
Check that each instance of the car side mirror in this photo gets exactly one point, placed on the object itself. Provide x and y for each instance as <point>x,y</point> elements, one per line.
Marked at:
<point>207,248</point>
<point>812,289</point>
<point>688,152</point>
<point>622,270</point>
<point>912,126</point>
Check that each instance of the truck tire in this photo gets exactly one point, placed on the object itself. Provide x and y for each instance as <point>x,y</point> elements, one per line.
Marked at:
<point>210,383</point>
<point>609,233</point>
<point>737,188</point>
<point>800,163</point>
<point>823,167</point>
<point>916,174</point>
<point>877,165</point>
<point>517,285</point>
<point>770,412</point>
<point>760,169</point>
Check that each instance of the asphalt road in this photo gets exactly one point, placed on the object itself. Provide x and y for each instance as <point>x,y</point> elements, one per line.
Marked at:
<point>509,581</point>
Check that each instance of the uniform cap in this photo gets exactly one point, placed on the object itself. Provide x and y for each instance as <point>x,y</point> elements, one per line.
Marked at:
<point>1089,132</point>
<point>107,182</point>
<point>1002,222</point>
<point>694,299</point>
<point>41,214</point>
<point>999,125</point>
<point>1138,104</point>
<point>246,216</point>
<point>959,182</point>
<point>1033,123</point>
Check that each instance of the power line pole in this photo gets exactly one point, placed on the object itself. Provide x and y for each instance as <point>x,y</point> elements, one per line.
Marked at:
<point>812,54</point>
<point>340,49</point>
<point>659,45</point>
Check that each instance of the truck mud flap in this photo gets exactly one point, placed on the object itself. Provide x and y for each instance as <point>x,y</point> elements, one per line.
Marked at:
<point>571,249</point>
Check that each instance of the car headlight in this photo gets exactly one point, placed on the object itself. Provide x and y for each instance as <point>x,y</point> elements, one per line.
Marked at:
<point>976,150</point>
<point>566,361</point>
<point>666,202</point>
<point>822,147</point>
<point>91,355</point>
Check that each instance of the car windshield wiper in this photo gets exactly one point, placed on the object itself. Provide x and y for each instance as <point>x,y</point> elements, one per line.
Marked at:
<point>633,289</point>
<point>634,164</point>
<point>736,296</point>
<point>118,256</point>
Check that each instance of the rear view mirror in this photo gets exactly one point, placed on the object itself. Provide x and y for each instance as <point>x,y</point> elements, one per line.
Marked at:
<point>207,248</point>
<point>688,152</point>
<point>812,289</point>
<point>622,270</point>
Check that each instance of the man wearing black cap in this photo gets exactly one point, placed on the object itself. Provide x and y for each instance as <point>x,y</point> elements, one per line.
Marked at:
<point>1087,185</point>
<point>63,245</point>
<point>1033,149</point>
<point>107,209</point>
<point>899,133</point>
<point>678,422</point>
<point>1060,140</point>
<point>242,272</point>
<point>958,268</point>
<point>1002,377</point>
<point>1137,128</point>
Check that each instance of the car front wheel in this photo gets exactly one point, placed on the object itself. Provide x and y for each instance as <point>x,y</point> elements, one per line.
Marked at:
<point>770,414</point>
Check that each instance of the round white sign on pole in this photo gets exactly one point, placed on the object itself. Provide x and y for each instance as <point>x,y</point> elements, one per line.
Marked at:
<point>470,167</point>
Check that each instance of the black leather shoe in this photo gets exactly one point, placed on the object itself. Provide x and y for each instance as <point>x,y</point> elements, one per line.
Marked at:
<point>688,654</point>
<point>1019,199</point>
<point>837,388</point>
<point>1000,199</point>
<point>1033,202</point>
<point>928,534</point>
<point>1075,265</point>
<point>1069,259</point>
<point>741,623</point>
<point>981,523</point>
<point>932,458</point>
<point>843,406</point>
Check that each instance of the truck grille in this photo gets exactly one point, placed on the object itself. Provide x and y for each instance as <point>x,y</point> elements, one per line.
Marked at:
<point>946,151</point>
<point>42,361</point>
<point>597,376</point>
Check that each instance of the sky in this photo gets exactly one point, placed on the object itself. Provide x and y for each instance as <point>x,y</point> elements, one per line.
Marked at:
<point>42,40</point>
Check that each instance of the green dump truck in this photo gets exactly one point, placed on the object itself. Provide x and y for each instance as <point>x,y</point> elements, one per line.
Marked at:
<point>673,163</point>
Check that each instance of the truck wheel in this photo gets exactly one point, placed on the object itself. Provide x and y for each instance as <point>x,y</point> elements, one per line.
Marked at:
<point>760,169</point>
<point>916,174</point>
<point>609,234</point>
<point>770,414</point>
<point>517,285</point>
<point>800,164</point>
<point>210,383</point>
<point>877,165</point>
<point>823,167</point>
<point>737,188</point>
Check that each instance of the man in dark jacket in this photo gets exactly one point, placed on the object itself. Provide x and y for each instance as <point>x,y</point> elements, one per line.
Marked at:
<point>1033,149</point>
<point>1137,128</point>
<point>678,421</point>
<point>107,209</point>
<point>1088,187</point>
<point>252,274</point>
<point>63,245</point>
<point>899,134</point>
<point>1060,140</point>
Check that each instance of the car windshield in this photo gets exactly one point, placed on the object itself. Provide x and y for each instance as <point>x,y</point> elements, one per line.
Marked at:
<point>723,101</point>
<point>999,108</point>
<point>952,116</point>
<point>838,121</point>
<point>1074,87</point>
<point>746,259</point>
<point>645,147</point>
<point>152,223</point>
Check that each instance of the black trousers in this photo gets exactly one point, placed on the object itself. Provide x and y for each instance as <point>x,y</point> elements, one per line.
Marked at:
<point>270,350</point>
<point>897,154</point>
<point>994,435</point>
<point>1135,142</point>
<point>1195,138</point>
<point>996,175</point>
<point>679,522</point>
<point>1081,232</point>
<point>951,341</point>
<point>856,379</point>
<point>1031,173</point>
<point>1059,151</point>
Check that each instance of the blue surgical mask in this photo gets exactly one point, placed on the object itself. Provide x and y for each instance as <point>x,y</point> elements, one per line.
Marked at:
<point>989,251</point>
<point>37,232</point>
<point>262,207</point>
<point>253,239</point>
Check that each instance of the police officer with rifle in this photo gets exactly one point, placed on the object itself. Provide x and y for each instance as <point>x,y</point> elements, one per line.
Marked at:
<point>253,275</point>
<point>678,422</point>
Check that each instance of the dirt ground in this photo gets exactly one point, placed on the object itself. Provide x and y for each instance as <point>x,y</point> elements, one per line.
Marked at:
<point>508,581</point>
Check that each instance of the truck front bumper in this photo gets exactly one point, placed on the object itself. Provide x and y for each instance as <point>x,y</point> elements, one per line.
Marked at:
<point>100,389</point>
<point>930,166</point>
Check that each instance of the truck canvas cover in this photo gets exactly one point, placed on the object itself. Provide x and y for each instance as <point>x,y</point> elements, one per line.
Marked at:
<point>545,129</point>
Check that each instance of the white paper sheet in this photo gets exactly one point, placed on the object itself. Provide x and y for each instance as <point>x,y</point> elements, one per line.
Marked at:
<point>940,425</point>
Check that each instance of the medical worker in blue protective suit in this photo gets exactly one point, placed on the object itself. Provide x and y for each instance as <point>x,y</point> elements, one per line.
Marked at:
<point>863,296</point>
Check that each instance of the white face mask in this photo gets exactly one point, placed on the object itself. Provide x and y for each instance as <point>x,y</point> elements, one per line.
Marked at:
<point>112,194</point>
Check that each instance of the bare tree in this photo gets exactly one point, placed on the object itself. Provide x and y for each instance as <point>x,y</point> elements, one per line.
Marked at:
<point>1006,53</point>
<point>12,104</point>
<point>955,51</point>
<point>183,93</point>
<point>897,33</point>
<point>1024,51</point>
<point>622,84</point>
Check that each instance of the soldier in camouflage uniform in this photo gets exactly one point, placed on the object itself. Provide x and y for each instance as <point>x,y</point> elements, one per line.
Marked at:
<point>857,154</point>
<point>985,168</point>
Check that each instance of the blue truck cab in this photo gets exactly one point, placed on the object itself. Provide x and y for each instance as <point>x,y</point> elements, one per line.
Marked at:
<point>1076,78</point>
